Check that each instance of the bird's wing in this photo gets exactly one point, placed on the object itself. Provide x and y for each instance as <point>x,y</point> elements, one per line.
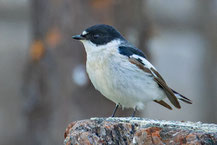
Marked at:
<point>136,57</point>
<point>161,102</point>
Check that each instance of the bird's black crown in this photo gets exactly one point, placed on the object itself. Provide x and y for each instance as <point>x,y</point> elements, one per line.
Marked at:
<point>101,34</point>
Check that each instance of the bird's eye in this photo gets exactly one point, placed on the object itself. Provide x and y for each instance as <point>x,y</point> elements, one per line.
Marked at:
<point>96,36</point>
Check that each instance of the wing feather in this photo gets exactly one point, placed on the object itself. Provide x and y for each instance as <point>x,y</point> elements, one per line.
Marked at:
<point>160,81</point>
<point>161,102</point>
<point>169,93</point>
<point>140,65</point>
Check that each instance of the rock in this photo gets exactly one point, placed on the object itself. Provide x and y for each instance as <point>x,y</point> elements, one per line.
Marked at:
<point>138,131</point>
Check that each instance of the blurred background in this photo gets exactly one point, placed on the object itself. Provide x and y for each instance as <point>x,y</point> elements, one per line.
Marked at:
<point>43,81</point>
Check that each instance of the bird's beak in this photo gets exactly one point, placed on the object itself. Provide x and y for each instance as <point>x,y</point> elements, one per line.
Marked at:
<point>78,37</point>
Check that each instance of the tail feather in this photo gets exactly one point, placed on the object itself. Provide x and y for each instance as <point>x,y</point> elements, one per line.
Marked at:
<point>182,98</point>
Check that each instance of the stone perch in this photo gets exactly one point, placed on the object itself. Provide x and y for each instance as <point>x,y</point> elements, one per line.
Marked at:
<point>130,131</point>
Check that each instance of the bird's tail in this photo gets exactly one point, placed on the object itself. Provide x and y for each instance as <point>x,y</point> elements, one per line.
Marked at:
<point>182,98</point>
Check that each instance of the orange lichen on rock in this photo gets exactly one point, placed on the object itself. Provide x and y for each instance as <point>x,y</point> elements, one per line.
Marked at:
<point>68,128</point>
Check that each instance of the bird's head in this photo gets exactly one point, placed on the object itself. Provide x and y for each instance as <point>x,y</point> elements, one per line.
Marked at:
<point>99,36</point>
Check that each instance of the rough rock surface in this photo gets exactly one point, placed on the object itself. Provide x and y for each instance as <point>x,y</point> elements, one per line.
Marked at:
<point>124,131</point>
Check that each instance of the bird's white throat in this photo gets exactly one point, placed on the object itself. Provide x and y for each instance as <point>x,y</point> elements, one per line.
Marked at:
<point>93,48</point>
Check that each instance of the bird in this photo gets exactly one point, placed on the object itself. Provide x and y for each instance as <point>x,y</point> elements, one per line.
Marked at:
<point>121,72</point>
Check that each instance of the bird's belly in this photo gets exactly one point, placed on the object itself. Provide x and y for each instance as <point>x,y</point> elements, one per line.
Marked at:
<point>132,90</point>
<point>124,84</point>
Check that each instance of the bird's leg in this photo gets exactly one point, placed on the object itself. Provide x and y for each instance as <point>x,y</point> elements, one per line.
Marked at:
<point>134,112</point>
<point>116,108</point>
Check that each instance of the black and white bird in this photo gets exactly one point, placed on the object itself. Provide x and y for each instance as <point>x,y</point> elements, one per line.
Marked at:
<point>121,72</point>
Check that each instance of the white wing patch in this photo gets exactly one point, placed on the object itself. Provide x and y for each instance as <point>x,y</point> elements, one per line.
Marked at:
<point>146,63</point>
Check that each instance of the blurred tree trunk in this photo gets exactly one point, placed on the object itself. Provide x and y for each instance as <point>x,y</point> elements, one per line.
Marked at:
<point>208,29</point>
<point>51,92</point>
